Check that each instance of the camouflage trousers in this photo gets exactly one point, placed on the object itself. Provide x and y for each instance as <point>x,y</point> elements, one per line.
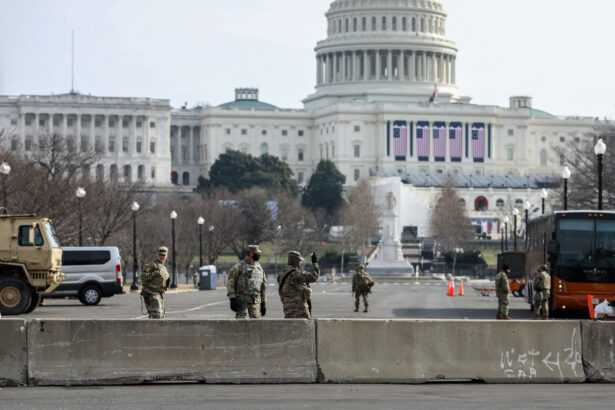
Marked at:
<point>357,299</point>
<point>154,303</point>
<point>542,305</point>
<point>296,311</point>
<point>251,310</point>
<point>503,305</point>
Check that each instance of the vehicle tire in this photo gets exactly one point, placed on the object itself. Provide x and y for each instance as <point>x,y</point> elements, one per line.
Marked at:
<point>522,291</point>
<point>90,295</point>
<point>34,302</point>
<point>15,296</point>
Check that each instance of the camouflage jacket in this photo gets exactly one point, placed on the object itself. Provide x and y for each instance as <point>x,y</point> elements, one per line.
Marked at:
<point>295,289</point>
<point>362,283</point>
<point>502,288</point>
<point>542,282</point>
<point>247,281</point>
<point>154,278</point>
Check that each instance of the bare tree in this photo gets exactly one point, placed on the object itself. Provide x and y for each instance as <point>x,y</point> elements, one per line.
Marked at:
<point>364,214</point>
<point>297,225</point>
<point>449,223</point>
<point>256,223</point>
<point>582,161</point>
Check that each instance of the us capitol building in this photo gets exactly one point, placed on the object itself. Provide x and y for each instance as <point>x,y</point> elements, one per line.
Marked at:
<point>385,105</point>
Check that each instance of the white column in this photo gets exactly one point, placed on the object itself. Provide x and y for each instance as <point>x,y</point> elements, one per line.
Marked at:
<point>191,142</point>
<point>37,127</point>
<point>317,70</point>
<point>50,125</point>
<point>178,146</point>
<point>92,136</point>
<point>78,133</point>
<point>64,125</point>
<point>133,136</point>
<point>389,65</point>
<point>434,68</point>
<point>22,130</point>
<point>412,67</point>
<point>424,77</point>
<point>453,70</point>
<point>105,140</point>
<point>119,142</point>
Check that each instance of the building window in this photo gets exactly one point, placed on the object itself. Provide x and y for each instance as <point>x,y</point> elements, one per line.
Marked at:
<point>413,24</point>
<point>152,173</point>
<point>41,121</point>
<point>125,144</point>
<point>13,122</point>
<point>138,124</point>
<point>113,173</point>
<point>510,132</point>
<point>29,121</point>
<point>299,177</point>
<point>354,24</point>
<point>139,144</point>
<point>100,172</point>
<point>28,146</point>
<point>577,139</point>
<point>111,144</point>
<point>543,157</point>
<point>69,122</point>
<point>56,122</point>
<point>284,133</point>
<point>14,144</point>
<point>244,131</point>
<point>543,138</point>
<point>185,178</point>
<point>373,23</point>
<point>125,123</point>
<point>404,25</point>
<point>499,203</point>
<point>346,25</point>
<point>481,204</point>
<point>96,123</point>
<point>141,172</point>
<point>263,132</point>
<point>300,133</point>
<point>127,174</point>
<point>562,139</point>
<point>394,24</point>
<point>264,148</point>
<point>357,150</point>
<point>152,124</point>
<point>152,147</point>
<point>384,23</point>
<point>244,150</point>
<point>422,25</point>
<point>98,145</point>
<point>300,154</point>
<point>562,160</point>
<point>357,174</point>
<point>284,154</point>
<point>111,123</point>
<point>364,23</point>
<point>510,154</point>
<point>357,128</point>
<point>227,131</point>
<point>84,144</point>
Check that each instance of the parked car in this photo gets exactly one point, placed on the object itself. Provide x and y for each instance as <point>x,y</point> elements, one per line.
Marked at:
<point>91,273</point>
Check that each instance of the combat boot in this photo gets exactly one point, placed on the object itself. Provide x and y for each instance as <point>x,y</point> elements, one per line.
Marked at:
<point>545,318</point>
<point>498,316</point>
<point>506,317</point>
<point>366,309</point>
<point>356,307</point>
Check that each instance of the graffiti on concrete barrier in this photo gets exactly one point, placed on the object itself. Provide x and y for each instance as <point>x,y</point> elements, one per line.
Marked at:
<point>524,364</point>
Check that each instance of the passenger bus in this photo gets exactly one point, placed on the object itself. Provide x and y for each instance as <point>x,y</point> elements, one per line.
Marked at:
<point>579,247</point>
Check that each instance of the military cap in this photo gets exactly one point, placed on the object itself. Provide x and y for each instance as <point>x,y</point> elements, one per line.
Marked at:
<point>163,250</point>
<point>254,248</point>
<point>294,258</point>
<point>361,267</point>
<point>542,268</point>
<point>295,254</point>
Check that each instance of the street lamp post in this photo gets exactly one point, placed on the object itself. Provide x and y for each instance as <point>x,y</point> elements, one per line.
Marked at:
<point>211,229</point>
<point>5,169</point>
<point>515,214</point>
<point>599,150</point>
<point>527,207</point>
<point>174,272</point>
<point>506,232</point>
<point>566,174</point>
<point>200,221</point>
<point>135,207</point>
<point>80,195</point>
<point>543,195</point>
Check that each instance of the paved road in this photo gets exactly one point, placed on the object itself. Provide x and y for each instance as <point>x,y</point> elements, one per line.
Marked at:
<point>274,397</point>
<point>388,301</point>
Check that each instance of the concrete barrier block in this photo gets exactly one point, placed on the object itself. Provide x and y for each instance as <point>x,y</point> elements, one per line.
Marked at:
<point>599,351</point>
<point>416,351</point>
<point>13,353</point>
<point>81,352</point>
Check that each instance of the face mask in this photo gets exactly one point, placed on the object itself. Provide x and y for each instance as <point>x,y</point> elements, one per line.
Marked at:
<point>256,257</point>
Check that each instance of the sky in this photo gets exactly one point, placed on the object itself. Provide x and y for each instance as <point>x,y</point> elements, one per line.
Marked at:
<point>199,51</point>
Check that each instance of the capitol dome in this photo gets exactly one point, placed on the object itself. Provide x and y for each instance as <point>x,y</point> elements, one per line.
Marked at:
<point>384,50</point>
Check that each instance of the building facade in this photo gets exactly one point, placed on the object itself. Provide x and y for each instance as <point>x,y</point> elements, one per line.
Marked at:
<point>385,102</point>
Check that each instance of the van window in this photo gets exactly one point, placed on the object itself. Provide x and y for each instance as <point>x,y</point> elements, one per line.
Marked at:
<point>24,236</point>
<point>85,257</point>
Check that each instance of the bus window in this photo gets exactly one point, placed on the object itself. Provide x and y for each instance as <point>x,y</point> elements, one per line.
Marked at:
<point>575,240</point>
<point>605,243</point>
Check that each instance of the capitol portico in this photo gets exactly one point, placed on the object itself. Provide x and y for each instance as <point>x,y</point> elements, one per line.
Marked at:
<point>385,103</point>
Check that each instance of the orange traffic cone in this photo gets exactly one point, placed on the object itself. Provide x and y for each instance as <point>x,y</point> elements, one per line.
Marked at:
<point>460,288</point>
<point>590,305</point>
<point>451,288</point>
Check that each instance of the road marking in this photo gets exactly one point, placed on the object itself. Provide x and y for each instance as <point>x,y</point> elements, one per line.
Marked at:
<point>185,310</point>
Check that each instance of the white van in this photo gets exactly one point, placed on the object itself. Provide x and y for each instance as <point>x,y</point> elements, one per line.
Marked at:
<point>91,273</point>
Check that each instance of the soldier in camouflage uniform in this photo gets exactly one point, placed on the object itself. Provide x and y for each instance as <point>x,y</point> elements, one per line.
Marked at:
<point>542,287</point>
<point>361,287</point>
<point>154,282</point>
<point>294,290</point>
<point>502,290</point>
<point>247,286</point>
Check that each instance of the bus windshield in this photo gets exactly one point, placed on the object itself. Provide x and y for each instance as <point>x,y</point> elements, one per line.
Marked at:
<point>576,237</point>
<point>605,243</point>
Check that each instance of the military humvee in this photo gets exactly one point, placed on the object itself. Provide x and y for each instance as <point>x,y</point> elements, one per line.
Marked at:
<point>30,262</point>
